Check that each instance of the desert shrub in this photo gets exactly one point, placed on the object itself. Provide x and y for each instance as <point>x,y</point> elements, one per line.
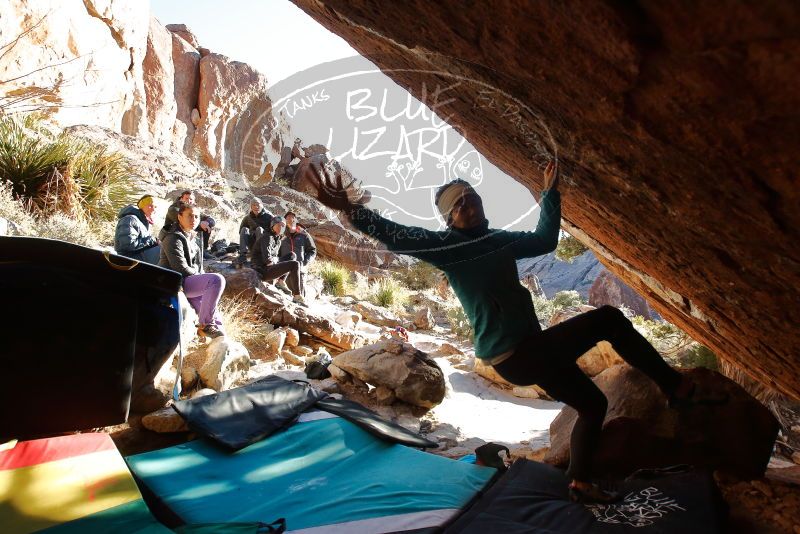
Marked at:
<point>567,299</point>
<point>667,338</point>
<point>66,228</point>
<point>29,159</point>
<point>61,173</point>
<point>104,180</point>
<point>14,210</point>
<point>388,292</point>
<point>698,355</point>
<point>335,277</point>
<point>569,248</point>
<point>459,323</point>
<point>543,307</point>
<point>421,276</point>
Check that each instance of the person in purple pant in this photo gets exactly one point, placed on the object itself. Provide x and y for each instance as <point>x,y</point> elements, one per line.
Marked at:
<point>180,252</point>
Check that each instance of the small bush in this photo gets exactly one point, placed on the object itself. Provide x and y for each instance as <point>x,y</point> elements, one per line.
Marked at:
<point>667,338</point>
<point>65,228</point>
<point>61,173</point>
<point>27,158</point>
<point>335,278</point>
<point>569,248</point>
<point>421,276</point>
<point>459,323</point>
<point>543,307</point>
<point>698,356</point>
<point>567,299</point>
<point>14,210</point>
<point>388,292</point>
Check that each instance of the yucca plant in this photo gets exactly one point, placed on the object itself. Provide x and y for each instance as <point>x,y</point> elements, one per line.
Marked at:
<point>335,278</point>
<point>388,292</point>
<point>104,181</point>
<point>29,161</point>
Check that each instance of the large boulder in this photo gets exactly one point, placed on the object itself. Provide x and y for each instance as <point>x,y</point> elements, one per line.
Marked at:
<point>609,289</point>
<point>526,392</point>
<point>409,373</point>
<point>640,431</point>
<point>226,362</point>
<point>377,315</point>
<point>674,124</point>
<point>598,358</point>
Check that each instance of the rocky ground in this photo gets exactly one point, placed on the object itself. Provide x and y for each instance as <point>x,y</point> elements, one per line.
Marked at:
<point>474,410</point>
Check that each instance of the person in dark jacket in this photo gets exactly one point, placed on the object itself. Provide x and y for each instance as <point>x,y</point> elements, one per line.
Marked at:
<point>132,236</point>
<point>267,263</point>
<point>297,245</point>
<point>255,223</point>
<point>207,223</point>
<point>180,252</point>
<point>480,264</point>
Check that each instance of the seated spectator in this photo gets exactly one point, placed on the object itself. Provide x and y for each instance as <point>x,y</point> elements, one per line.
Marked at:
<point>297,245</point>
<point>267,264</point>
<point>180,252</point>
<point>132,237</point>
<point>207,222</point>
<point>252,228</point>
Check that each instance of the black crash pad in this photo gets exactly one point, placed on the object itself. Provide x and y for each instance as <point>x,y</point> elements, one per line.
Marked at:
<point>532,498</point>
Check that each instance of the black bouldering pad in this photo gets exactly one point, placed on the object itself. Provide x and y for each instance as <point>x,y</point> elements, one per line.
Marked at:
<point>532,497</point>
<point>70,325</point>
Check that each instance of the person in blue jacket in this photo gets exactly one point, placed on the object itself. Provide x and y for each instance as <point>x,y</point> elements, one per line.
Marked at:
<point>480,264</point>
<point>132,236</point>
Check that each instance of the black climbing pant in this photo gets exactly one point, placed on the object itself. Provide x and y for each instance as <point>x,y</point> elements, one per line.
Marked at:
<point>288,271</point>
<point>547,358</point>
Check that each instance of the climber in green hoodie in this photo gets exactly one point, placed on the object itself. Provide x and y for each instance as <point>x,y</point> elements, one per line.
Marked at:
<point>480,264</point>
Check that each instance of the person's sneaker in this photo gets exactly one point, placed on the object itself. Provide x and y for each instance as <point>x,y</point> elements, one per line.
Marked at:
<point>239,262</point>
<point>280,284</point>
<point>299,300</point>
<point>210,330</point>
<point>592,494</point>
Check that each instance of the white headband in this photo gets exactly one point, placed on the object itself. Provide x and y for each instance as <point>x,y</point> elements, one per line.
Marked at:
<point>449,198</point>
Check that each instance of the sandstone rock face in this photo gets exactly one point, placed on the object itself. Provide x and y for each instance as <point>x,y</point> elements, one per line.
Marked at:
<point>235,129</point>
<point>423,319</point>
<point>488,372</point>
<point>159,83</point>
<point>598,358</point>
<point>183,31</point>
<point>186,62</point>
<point>607,288</point>
<point>410,374</point>
<point>680,180</point>
<point>639,431</point>
<point>84,54</point>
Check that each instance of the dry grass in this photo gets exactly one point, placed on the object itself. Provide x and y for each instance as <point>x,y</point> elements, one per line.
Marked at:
<point>243,322</point>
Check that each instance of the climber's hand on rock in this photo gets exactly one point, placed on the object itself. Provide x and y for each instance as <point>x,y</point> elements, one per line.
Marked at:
<point>551,176</point>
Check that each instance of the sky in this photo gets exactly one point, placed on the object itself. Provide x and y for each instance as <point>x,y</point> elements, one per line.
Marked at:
<point>293,51</point>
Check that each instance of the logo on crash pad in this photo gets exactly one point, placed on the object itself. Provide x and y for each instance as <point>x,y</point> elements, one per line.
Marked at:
<point>638,509</point>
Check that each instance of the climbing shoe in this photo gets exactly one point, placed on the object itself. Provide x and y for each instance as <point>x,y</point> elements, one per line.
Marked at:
<point>298,299</point>
<point>592,494</point>
<point>280,284</point>
<point>210,330</point>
